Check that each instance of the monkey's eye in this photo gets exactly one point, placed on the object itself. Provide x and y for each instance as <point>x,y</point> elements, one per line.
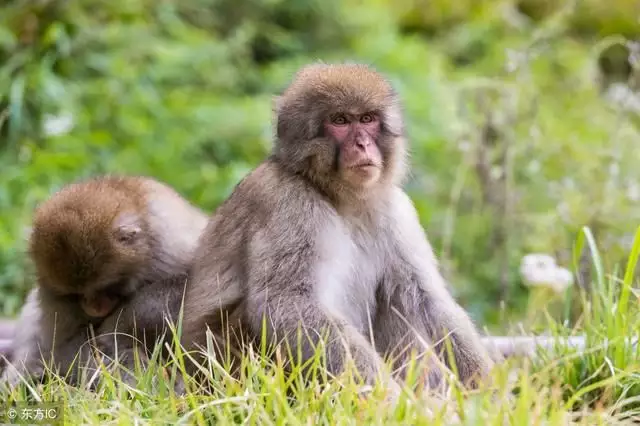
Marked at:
<point>367,118</point>
<point>339,120</point>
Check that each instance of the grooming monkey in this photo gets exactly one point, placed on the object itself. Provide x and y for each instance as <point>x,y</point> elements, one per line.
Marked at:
<point>322,236</point>
<point>110,254</point>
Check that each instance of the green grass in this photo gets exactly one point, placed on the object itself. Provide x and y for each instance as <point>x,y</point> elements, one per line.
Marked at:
<point>600,385</point>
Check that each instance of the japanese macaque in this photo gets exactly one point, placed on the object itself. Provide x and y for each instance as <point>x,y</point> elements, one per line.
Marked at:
<point>321,236</point>
<point>111,256</point>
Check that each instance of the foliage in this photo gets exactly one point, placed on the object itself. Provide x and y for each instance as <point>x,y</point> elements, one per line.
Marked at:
<point>514,149</point>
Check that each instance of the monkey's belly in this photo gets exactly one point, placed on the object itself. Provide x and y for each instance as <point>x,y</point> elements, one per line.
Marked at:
<point>347,283</point>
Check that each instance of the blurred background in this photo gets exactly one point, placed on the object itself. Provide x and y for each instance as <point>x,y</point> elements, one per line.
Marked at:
<point>523,117</point>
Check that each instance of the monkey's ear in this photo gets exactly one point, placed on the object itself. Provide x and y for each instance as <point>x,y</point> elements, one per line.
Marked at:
<point>128,233</point>
<point>127,228</point>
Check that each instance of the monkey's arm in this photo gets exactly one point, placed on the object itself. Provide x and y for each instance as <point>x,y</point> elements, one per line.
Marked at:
<point>133,330</point>
<point>24,357</point>
<point>144,317</point>
<point>415,306</point>
<point>50,333</point>
<point>65,338</point>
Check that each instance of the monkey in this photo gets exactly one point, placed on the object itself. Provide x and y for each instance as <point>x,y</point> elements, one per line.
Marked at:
<point>321,236</point>
<point>111,254</point>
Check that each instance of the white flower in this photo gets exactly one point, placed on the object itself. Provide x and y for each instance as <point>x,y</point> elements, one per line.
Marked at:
<point>55,125</point>
<point>621,95</point>
<point>540,270</point>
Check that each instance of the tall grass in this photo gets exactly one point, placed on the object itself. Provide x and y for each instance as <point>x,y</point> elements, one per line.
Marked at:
<point>597,385</point>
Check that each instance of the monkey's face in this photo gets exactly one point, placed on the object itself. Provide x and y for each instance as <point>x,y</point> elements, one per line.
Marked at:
<point>359,160</point>
<point>341,125</point>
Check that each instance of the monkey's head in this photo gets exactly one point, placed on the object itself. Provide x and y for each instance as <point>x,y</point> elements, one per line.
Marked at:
<point>88,241</point>
<point>341,126</point>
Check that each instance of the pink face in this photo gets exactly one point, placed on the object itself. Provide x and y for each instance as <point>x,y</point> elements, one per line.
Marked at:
<point>360,160</point>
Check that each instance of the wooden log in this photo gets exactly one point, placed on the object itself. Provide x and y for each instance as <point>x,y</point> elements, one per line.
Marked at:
<point>527,346</point>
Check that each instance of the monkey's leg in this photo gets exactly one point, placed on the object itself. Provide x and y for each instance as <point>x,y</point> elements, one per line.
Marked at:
<point>395,338</point>
<point>35,356</point>
<point>32,360</point>
<point>125,355</point>
<point>215,342</point>
<point>341,341</point>
<point>120,345</point>
<point>25,363</point>
<point>73,358</point>
<point>122,357</point>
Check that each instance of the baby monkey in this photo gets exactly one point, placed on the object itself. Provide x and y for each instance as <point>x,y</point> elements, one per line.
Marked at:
<point>321,236</point>
<point>111,255</point>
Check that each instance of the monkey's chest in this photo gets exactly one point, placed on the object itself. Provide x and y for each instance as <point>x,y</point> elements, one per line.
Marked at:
<point>347,278</point>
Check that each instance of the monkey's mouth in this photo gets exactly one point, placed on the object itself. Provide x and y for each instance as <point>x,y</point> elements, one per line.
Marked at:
<point>363,165</point>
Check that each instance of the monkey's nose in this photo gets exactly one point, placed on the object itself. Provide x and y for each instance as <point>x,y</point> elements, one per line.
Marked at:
<point>362,141</point>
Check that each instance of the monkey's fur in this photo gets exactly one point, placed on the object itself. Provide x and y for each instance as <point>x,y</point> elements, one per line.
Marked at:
<point>124,240</point>
<point>322,235</point>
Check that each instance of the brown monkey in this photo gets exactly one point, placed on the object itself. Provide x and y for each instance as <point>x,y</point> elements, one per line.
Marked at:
<point>110,253</point>
<point>322,235</point>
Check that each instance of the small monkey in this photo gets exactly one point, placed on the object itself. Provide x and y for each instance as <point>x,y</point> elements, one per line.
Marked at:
<point>321,236</point>
<point>110,254</point>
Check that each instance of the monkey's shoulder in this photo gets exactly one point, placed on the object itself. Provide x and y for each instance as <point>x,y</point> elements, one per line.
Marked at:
<point>270,192</point>
<point>399,203</point>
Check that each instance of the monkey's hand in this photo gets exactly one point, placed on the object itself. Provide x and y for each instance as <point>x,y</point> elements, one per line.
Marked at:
<point>13,375</point>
